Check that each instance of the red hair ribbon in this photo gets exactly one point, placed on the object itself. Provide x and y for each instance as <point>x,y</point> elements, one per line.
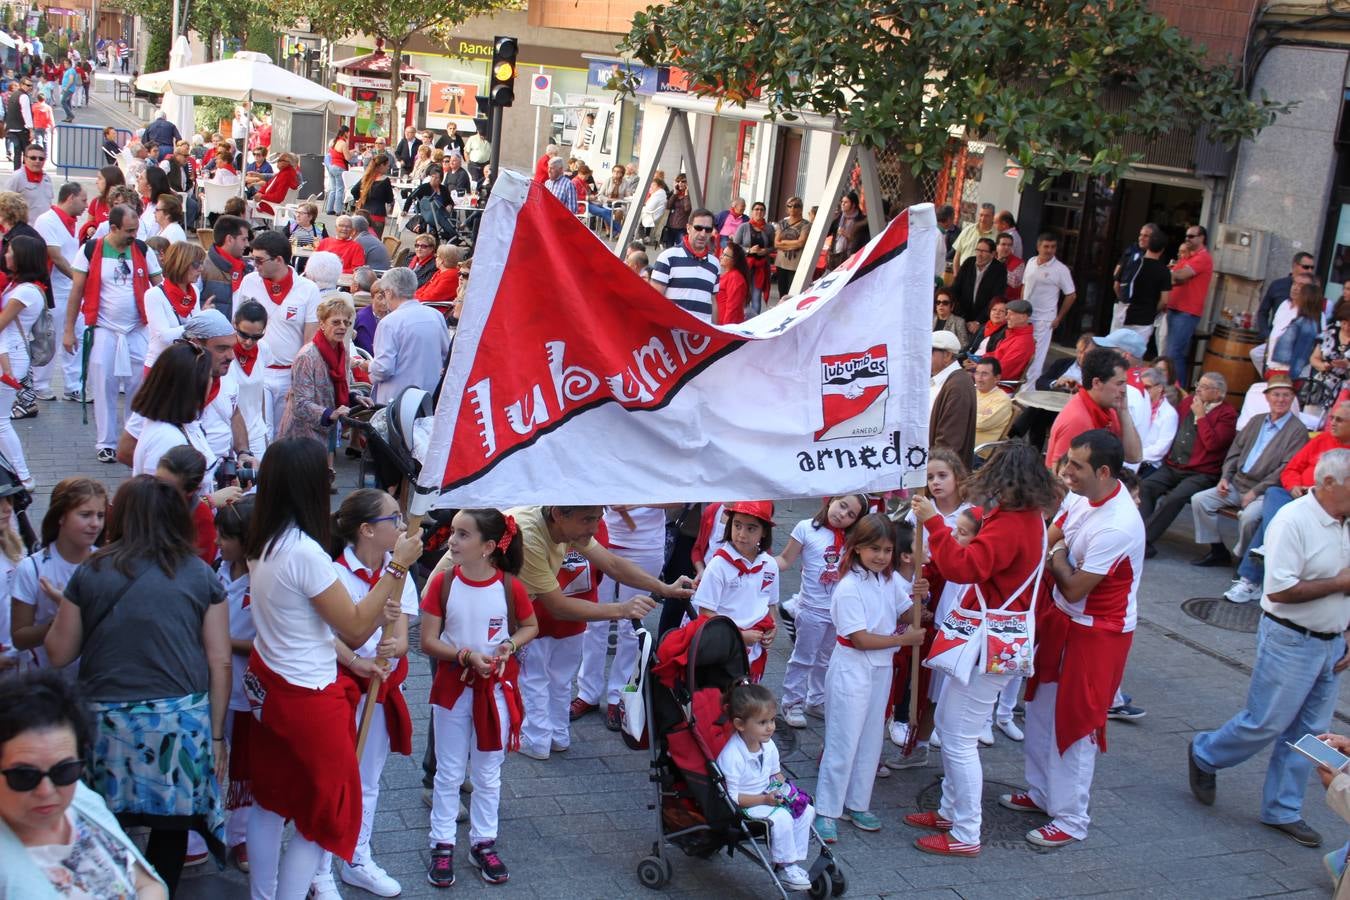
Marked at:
<point>509,534</point>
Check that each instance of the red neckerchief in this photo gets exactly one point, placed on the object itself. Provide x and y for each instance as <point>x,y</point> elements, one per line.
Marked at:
<point>236,268</point>
<point>738,564</point>
<point>213,390</point>
<point>181,299</point>
<point>335,358</point>
<point>1101,418</point>
<point>278,291</point>
<point>66,219</point>
<point>246,357</point>
<point>34,177</point>
<point>692,252</point>
<point>831,573</point>
<point>990,327</point>
<point>371,578</point>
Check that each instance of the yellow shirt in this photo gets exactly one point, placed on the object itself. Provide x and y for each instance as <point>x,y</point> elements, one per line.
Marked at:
<point>965,242</point>
<point>993,412</point>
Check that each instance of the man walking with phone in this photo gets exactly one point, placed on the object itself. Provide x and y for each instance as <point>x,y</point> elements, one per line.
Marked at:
<point>1300,652</point>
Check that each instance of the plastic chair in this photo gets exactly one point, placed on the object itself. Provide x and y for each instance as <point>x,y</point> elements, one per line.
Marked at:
<point>215,196</point>
<point>281,212</point>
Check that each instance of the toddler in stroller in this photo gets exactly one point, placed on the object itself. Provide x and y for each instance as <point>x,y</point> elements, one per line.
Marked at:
<point>700,808</point>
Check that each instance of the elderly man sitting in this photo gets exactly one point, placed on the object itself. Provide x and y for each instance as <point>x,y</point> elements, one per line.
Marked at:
<point>344,245</point>
<point>1253,464</point>
<point>1161,427</point>
<point>411,342</point>
<point>377,255</point>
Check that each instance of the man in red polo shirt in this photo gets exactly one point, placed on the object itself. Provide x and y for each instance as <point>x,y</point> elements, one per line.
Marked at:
<point>344,245</point>
<point>1191,276</point>
<point>1295,481</point>
<point>1014,352</point>
<point>1099,403</point>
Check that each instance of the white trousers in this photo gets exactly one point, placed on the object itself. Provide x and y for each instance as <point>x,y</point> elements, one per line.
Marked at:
<point>371,764</point>
<point>1040,332</point>
<point>103,383</point>
<point>276,385</point>
<point>592,684</point>
<point>961,715</point>
<point>1060,785</point>
<point>69,362</point>
<point>856,693</point>
<point>273,875</point>
<point>1007,699</point>
<point>804,679</point>
<point>457,753</point>
<point>789,838</point>
<point>1205,507</point>
<point>10,445</point>
<point>547,667</point>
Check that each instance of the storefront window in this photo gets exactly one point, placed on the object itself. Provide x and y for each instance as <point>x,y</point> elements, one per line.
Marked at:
<point>722,166</point>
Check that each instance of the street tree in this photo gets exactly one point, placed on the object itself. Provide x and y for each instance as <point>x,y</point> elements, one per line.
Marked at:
<point>1058,84</point>
<point>393,23</point>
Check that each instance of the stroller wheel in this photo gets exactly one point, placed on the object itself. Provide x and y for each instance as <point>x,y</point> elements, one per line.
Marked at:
<point>654,872</point>
<point>840,882</point>
<point>822,886</point>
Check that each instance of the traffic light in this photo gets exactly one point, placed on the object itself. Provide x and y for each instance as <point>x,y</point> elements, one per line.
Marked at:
<point>483,115</point>
<point>503,85</point>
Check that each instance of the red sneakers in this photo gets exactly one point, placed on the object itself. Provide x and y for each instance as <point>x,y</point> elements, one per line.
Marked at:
<point>929,820</point>
<point>1049,836</point>
<point>580,708</point>
<point>1021,802</point>
<point>943,845</point>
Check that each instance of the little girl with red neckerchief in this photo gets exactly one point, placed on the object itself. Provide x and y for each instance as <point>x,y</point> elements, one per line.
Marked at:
<point>475,617</point>
<point>741,580</point>
<point>819,542</point>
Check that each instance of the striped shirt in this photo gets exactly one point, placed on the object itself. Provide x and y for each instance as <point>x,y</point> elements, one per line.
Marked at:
<point>562,188</point>
<point>690,282</point>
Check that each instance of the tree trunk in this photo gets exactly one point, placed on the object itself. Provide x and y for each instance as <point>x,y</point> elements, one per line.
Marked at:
<point>396,46</point>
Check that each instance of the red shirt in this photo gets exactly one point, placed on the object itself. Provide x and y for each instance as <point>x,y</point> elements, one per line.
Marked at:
<point>350,252</point>
<point>1082,414</point>
<point>442,286</point>
<point>732,292</point>
<point>541,169</point>
<point>277,187</point>
<point>1299,472</point>
<point>1214,433</point>
<point>1014,353</point>
<point>999,559</point>
<point>1190,297</point>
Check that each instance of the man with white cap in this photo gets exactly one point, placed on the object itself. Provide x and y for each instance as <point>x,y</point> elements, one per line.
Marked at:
<point>953,403</point>
<point>1130,344</point>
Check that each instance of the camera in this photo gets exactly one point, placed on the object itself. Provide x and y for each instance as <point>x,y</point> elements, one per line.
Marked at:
<point>229,472</point>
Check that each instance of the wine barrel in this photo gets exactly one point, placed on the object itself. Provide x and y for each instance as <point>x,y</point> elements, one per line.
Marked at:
<point>1228,352</point>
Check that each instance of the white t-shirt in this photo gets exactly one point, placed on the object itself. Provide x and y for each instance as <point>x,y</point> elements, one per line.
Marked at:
<point>166,326</point>
<point>746,772</point>
<point>293,640</point>
<point>158,438</point>
<point>1042,285</point>
<point>241,629</point>
<point>149,227</point>
<point>286,321</point>
<point>217,419</point>
<point>252,386</point>
<point>117,297</point>
<point>744,598</point>
<point>54,232</point>
<point>7,570</point>
<point>346,570</point>
<point>1105,539</point>
<point>864,601</point>
<point>475,613</point>
<point>14,339</point>
<point>49,564</point>
<point>819,556</point>
<point>648,531</point>
<point>174,233</point>
<point>1304,543</point>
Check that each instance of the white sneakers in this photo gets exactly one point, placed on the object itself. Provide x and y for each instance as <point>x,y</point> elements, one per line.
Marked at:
<point>1243,591</point>
<point>794,716</point>
<point>1010,729</point>
<point>899,733</point>
<point>367,875</point>
<point>794,878</point>
<point>986,738</point>
<point>533,752</point>
<point>323,887</point>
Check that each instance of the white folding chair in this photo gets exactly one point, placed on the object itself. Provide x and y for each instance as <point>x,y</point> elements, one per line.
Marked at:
<point>215,196</point>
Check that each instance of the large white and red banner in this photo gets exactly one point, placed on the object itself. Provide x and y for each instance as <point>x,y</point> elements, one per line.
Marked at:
<point>571,381</point>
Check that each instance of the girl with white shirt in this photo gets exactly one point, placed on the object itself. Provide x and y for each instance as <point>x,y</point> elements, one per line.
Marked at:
<point>11,552</point>
<point>741,580</point>
<point>302,748</point>
<point>819,542</point>
<point>868,604</point>
<point>249,372</point>
<point>232,523</point>
<point>475,618</point>
<point>367,527</point>
<point>170,403</point>
<point>23,301</point>
<point>169,303</point>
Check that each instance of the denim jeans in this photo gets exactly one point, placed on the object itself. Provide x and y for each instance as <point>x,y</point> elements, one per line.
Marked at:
<point>1252,568</point>
<point>335,198</point>
<point>1293,693</point>
<point>66,98</point>
<point>1180,330</point>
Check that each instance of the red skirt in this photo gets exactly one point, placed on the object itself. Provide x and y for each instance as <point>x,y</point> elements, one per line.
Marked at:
<point>1087,664</point>
<point>302,755</point>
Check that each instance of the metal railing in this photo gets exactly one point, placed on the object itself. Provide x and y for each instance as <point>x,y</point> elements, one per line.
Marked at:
<point>81,147</point>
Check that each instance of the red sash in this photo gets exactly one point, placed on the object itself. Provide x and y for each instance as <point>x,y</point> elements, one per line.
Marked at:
<point>1087,664</point>
<point>241,786</point>
<point>758,664</point>
<point>397,718</point>
<point>302,750</point>
<point>447,688</point>
<point>93,283</point>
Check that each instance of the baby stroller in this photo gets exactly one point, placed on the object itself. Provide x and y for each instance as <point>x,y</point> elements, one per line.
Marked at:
<point>686,729</point>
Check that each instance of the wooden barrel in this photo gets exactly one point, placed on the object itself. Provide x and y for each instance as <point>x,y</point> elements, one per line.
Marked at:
<point>1228,352</point>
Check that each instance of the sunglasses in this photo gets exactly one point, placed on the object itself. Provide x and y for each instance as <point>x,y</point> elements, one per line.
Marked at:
<point>425,246</point>
<point>245,336</point>
<point>26,778</point>
<point>257,261</point>
<point>706,229</point>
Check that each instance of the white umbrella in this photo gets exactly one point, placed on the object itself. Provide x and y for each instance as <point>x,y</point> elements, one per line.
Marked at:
<point>247,76</point>
<point>178,107</point>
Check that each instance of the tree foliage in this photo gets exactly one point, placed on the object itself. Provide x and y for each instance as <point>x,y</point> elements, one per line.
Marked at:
<point>1058,84</point>
<point>394,23</point>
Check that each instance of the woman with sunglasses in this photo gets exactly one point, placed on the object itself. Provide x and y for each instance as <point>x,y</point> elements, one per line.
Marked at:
<point>249,369</point>
<point>443,285</point>
<point>320,393</point>
<point>366,528</point>
<point>56,834</point>
<point>423,260</point>
<point>146,619</point>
